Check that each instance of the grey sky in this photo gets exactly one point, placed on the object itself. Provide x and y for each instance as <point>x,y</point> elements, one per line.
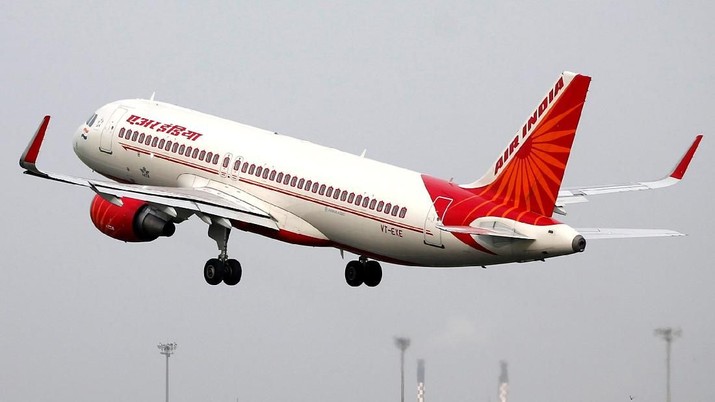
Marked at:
<point>438,87</point>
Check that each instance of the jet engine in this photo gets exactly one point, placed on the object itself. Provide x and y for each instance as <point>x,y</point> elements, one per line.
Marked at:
<point>134,221</point>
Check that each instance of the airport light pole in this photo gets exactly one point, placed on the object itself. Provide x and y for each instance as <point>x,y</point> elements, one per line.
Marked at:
<point>402,343</point>
<point>668,334</point>
<point>167,349</point>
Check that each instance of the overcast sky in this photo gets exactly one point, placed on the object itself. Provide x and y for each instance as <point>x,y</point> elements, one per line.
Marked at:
<point>438,87</point>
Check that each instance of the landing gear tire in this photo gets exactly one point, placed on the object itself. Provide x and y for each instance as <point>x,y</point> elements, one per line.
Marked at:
<point>372,273</point>
<point>213,271</point>
<point>232,272</point>
<point>354,273</point>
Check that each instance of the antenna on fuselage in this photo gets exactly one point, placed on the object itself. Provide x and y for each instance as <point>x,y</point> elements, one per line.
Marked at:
<point>364,151</point>
<point>152,96</point>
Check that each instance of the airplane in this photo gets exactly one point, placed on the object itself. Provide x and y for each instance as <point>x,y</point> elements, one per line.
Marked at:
<point>166,163</point>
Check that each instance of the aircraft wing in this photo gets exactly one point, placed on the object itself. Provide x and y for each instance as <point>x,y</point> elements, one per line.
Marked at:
<point>576,195</point>
<point>200,201</point>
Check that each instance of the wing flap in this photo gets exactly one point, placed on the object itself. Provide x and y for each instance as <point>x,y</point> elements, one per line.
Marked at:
<point>193,199</point>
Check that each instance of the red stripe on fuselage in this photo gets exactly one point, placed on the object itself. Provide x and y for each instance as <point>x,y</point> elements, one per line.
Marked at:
<point>331,205</point>
<point>167,158</point>
<point>279,190</point>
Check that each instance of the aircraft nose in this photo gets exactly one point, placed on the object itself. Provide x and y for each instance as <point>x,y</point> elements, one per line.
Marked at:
<point>578,244</point>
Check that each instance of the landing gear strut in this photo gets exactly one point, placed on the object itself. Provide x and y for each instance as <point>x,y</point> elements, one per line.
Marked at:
<point>222,268</point>
<point>363,271</point>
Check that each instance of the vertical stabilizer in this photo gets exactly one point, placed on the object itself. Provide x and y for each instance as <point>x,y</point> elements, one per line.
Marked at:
<point>527,174</point>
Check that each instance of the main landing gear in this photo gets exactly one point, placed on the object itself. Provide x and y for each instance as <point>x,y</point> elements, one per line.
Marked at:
<point>222,268</point>
<point>363,271</point>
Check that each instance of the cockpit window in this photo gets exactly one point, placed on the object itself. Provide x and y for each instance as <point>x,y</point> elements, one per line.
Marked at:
<point>91,120</point>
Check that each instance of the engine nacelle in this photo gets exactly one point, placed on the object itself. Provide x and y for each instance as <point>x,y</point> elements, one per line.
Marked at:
<point>134,221</point>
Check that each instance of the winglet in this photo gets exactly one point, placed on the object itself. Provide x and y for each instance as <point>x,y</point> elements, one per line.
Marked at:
<point>29,157</point>
<point>682,166</point>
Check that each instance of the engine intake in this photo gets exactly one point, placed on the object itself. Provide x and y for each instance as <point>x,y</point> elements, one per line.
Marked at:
<point>134,221</point>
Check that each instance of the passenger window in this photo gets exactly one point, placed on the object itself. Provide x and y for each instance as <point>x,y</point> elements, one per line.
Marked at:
<point>329,192</point>
<point>209,156</point>
<point>154,142</point>
<point>365,201</point>
<point>372,203</point>
<point>388,206</point>
<point>315,187</point>
<point>195,153</point>
<point>188,151</point>
<point>226,161</point>
<point>336,195</point>
<point>279,178</point>
<point>244,168</point>
<point>307,185</point>
<point>168,145</point>
<point>181,149</point>
<point>148,140</point>
<point>394,210</point>
<point>286,180</point>
<point>358,200</point>
<point>343,195</point>
<point>403,212</point>
<point>161,143</point>
<point>252,169</point>
<point>379,206</point>
<point>135,135</point>
<point>351,198</point>
<point>175,147</point>
<point>215,159</point>
<point>121,133</point>
<point>292,181</point>
<point>237,164</point>
<point>266,172</point>
<point>321,191</point>
<point>300,183</point>
<point>259,170</point>
<point>141,138</point>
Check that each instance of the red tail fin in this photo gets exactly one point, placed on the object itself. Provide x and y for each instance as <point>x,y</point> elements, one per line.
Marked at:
<point>528,174</point>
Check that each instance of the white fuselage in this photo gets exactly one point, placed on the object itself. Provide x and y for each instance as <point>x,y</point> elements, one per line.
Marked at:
<point>407,234</point>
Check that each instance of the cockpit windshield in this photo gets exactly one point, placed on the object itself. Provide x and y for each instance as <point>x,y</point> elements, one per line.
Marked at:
<point>91,120</point>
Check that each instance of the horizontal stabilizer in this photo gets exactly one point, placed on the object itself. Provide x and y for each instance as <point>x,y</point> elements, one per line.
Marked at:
<point>610,233</point>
